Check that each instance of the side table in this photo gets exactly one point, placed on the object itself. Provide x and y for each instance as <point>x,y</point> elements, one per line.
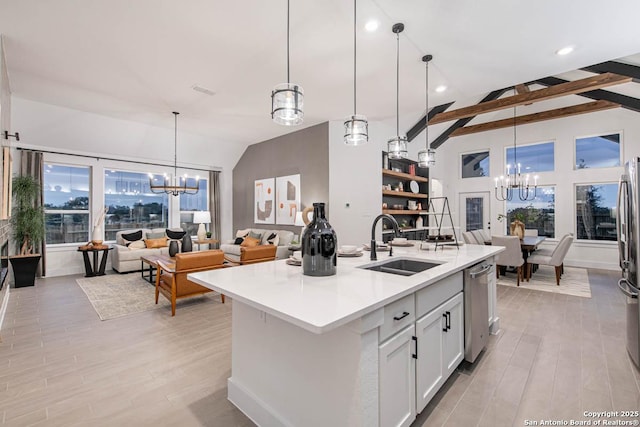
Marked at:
<point>205,242</point>
<point>94,270</point>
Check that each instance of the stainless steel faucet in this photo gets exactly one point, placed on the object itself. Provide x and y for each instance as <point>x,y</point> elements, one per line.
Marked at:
<point>396,231</point>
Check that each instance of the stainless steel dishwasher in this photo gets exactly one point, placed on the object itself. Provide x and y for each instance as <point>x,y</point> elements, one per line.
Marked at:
<point>476,309</point>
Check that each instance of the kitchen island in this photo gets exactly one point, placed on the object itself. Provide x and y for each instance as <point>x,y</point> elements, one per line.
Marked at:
<point>321,350</point>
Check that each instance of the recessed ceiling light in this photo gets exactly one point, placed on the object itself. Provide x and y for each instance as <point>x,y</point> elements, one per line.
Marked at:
<point>441,88</point>
<point>565,50</point>
<point>372,25</point>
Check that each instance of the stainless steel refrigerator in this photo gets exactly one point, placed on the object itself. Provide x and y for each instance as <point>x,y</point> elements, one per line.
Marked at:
<point>628,227</point>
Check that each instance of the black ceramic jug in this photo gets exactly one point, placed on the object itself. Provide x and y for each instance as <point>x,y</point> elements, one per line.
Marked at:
<point>319,245</point>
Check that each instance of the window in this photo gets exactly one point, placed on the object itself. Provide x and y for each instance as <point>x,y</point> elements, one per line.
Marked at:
<point>66,203</point>
<point>475,164</point>
<point>538,213</point>
<point>595,211</point>
<point>190,203</point>
<point>131,204</point>
<point>532,158</point>
<point>598,151</point>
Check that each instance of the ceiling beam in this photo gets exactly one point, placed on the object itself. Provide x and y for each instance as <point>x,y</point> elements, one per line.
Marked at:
<point>460,123</point>
<point>627,102</point>
<point>551,92</point>
<point>632,71</point>
<point>419,127</point>
<point>558,113</point>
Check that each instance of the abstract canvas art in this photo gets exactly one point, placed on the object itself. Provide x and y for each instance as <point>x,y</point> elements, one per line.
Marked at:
<point>287,199</point>
<point>264,192</point>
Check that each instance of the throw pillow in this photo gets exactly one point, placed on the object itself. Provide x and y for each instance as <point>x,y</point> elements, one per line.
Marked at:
<point>138,244</point>
<point>242,233</point>
<point>157,235</point>
<point>273,239</point>
<point>175,235</point>
<point>250,242</point>
<point>238,241</point>
<point>255,235</point>
<point>132,237</point>
<point>156,243</point>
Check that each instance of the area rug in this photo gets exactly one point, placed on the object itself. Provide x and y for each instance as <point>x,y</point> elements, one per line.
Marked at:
<point>117,295</point>
<point>574,281</point>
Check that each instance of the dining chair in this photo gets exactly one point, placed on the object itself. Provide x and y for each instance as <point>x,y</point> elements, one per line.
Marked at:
<point>511,256</point>
<point>469,238</point>
<point>556,259</point>
<point>480,236</point>
<point>531,232</point>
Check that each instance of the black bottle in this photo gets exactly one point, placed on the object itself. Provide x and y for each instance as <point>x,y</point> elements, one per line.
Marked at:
<point>319,245</point>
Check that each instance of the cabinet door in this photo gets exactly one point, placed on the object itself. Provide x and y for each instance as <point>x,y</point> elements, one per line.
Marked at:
<point>397,379</point>
<point>429,371</point>
<point>453,338</point>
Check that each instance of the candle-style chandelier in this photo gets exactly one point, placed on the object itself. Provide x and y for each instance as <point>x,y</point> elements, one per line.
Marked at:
<point>513,181</point>
<point>174,185</point>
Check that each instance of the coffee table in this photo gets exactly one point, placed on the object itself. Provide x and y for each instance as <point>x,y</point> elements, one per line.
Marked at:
<point>152,262</point>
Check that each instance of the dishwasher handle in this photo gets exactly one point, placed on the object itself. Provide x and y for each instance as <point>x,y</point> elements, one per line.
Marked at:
<point>484,269</point>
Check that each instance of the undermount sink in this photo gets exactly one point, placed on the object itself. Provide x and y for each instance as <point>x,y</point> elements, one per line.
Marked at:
<point>402,266</point>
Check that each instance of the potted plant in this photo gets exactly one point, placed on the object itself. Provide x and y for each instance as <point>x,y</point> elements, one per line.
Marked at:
<point>27,224</point>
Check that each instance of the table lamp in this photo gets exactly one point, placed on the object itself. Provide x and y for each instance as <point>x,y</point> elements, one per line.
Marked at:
<point>300,223</point>
<point>202,217</point>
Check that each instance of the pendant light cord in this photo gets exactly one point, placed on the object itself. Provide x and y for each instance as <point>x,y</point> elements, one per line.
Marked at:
<point>175,146</point>
<point>288,79</point>
<point>398,85</point>
<point>515,151</point>
<point>426,103</point>
<point>354,55</point>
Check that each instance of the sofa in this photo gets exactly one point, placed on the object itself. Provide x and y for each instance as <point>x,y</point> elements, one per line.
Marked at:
<point>233,251</point>
<point>125,256</point>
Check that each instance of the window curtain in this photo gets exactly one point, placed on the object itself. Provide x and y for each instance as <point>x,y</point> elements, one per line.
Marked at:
<point>214,204</point>
<point>32,163</point>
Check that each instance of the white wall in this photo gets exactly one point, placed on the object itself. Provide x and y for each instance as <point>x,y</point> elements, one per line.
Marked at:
<point>53,128</point>
<point>355,182</point>
<point>562,132</point>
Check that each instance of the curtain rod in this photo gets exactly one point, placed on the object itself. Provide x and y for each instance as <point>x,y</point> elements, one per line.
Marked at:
<point>111,158</point>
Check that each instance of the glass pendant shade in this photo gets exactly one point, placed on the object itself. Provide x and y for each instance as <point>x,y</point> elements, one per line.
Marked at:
<point>287,104</point>
<point>397,148</point>
<point>426,158</point>
<point>356,130</point>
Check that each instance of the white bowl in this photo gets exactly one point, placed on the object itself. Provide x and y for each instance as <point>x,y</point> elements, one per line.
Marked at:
<point>400,240</point>
<point>348,249</point>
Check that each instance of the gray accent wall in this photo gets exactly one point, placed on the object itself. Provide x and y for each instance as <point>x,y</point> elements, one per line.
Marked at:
<point>305,152</point>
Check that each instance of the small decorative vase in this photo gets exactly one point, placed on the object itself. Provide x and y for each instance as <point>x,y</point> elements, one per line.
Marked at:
<point>319,245</point>
<point>173,248</point>
<point>419,222</point>
<point>516,228</point>
<point>202,232</point>
<point>187,245</point>
<point>96,236</point>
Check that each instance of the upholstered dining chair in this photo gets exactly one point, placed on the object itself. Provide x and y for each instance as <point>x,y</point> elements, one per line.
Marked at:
<point>555,259</point>
<point>531,232</point>
<point>171,279</point>
<point>469,238</point>
<point>511,256</point>
<point>481,236</point>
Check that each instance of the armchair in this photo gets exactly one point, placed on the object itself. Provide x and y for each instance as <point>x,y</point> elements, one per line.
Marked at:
<point>252,255</point>
<point>171,279</point>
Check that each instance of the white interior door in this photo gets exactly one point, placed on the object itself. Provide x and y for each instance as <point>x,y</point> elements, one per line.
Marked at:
<point>475,211</point>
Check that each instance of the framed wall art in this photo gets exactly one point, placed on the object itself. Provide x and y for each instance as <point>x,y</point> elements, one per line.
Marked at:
<point>264,193</point>
<point>287,199</point>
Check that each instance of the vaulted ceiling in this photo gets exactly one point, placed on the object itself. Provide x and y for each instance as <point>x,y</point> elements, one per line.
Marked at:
<point>139,60</point>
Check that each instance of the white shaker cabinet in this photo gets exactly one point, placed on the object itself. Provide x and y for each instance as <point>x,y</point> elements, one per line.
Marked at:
<point>453,337</point>
<point>398,379</point>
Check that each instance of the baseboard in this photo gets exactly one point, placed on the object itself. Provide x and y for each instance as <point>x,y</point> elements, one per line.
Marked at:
<point>254,408</point>
<point>591,264</point>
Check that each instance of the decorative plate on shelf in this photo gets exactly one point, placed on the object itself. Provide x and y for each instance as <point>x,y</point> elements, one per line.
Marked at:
<point>415,188</point>
<point>350,254</point>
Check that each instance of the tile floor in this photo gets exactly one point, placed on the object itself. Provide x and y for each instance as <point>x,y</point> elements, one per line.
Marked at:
<point>556,357</point>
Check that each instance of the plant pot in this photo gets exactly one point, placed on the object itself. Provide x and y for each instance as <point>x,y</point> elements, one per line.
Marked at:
<point>24,269</point>
<point>516,228</point>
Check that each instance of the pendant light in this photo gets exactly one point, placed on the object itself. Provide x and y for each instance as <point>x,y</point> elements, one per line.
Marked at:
<point>397,146</point>
<point>174,185</point>
<point>513,182</point>
<point>426,157</point>
<point>356,127</point>
<point>287,99</point>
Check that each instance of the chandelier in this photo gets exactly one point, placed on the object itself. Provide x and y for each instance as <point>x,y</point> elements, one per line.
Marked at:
<point>426,157</point>
<point>174,185</point>
<point>397,146</point>
<point>356,127</point>
<point>287,99</point>
<point>514,182</point>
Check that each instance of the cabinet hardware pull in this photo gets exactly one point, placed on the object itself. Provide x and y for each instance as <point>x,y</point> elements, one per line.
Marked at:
<point>415,356</point>
<point>445,322</point>
<point>448,320</point>
<point>404,314</point>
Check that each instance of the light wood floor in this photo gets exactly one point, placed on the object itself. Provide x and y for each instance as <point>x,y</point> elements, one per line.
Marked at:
<point>556,357</point>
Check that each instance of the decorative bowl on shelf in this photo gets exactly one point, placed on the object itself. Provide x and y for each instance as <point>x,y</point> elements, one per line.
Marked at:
<point>398,207</point>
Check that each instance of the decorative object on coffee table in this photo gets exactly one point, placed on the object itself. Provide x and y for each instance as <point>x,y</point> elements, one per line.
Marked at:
<point>187,244</point>
<point>173,248</point>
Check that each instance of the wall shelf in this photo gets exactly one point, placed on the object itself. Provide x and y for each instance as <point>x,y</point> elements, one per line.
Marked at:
<point>402,175</point>
<point>403,212</point>
<point>393,193</point>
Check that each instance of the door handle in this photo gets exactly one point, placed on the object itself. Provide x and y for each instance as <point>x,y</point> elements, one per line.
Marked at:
<point>415,339</point>
<point>404,314</point>
<point>448,320</point>
<point>445,322</point>
<point>629,290</point>
<point>622,245</point>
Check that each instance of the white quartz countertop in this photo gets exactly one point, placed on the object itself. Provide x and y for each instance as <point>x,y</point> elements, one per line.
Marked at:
<point>320,304</point>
